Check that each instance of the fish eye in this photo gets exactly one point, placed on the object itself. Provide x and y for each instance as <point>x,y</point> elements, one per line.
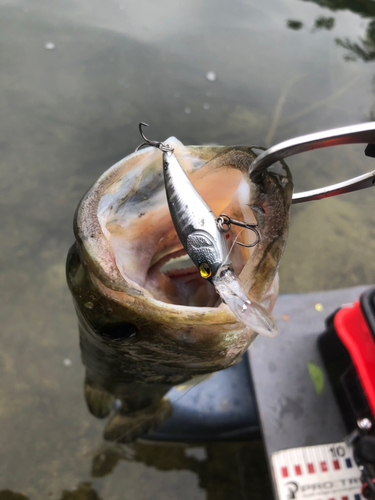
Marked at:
<point>117,332</point>
<point>205,270</point>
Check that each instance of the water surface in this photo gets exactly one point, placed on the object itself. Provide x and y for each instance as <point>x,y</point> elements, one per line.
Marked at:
<point>76,78</point>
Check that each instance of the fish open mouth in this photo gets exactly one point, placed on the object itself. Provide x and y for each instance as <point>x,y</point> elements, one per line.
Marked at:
<point>178,278</point>
<point>134,218</point>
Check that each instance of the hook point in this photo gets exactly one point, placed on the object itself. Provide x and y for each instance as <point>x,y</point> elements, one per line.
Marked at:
<point>155,144</point>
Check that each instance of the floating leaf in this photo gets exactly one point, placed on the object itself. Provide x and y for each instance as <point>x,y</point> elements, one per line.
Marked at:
<point>317,376</point>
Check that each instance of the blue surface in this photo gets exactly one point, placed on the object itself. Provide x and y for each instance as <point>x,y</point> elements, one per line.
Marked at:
<point>220,408</point>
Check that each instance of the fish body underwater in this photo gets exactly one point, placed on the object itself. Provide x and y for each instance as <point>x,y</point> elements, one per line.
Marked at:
<point>147,320</point>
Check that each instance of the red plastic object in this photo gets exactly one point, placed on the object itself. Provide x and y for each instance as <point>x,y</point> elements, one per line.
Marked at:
<point>366,493</point>
<point>354,332</point>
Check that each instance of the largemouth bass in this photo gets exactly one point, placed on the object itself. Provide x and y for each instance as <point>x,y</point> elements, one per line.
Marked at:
<point>147,319</point>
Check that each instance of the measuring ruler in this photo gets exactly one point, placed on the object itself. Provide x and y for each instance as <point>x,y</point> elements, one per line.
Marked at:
<point>324,472</point>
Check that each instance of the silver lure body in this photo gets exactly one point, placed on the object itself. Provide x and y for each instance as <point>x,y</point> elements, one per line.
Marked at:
<point>197,228</point>
<point>194,221</point>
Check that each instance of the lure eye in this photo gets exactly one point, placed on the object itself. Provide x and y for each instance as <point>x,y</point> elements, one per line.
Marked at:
<point>205,270</point>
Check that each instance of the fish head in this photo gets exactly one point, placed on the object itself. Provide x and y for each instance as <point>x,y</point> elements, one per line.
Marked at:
<point>139,299</point>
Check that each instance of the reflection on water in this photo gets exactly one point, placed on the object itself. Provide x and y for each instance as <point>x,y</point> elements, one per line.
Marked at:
<point>223,470</point>
<point>237,470</point>
<point>70,112</point>
<point>10,495</point>
<point>320,23</point>
<point>364,47</point>
<point>84,491</point>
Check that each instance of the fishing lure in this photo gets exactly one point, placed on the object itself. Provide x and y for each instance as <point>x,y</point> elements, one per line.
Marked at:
<point>203,237</point>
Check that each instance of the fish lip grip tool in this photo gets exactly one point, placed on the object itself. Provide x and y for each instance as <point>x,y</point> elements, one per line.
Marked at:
<point>363,133</point>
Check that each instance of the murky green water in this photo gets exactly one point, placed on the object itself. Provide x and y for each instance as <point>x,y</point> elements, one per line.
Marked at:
<point>76,77</point>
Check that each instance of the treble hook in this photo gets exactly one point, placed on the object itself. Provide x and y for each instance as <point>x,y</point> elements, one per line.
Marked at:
<point>159,145</point>
<point>225,220</point>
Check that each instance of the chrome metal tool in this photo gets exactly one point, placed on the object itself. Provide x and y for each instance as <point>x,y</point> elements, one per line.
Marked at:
<point>363,133</point>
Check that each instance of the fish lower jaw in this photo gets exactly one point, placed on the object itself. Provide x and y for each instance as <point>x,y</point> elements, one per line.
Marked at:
<point>179,273</point>
<point>179,263</point>
<point>175,279</point>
